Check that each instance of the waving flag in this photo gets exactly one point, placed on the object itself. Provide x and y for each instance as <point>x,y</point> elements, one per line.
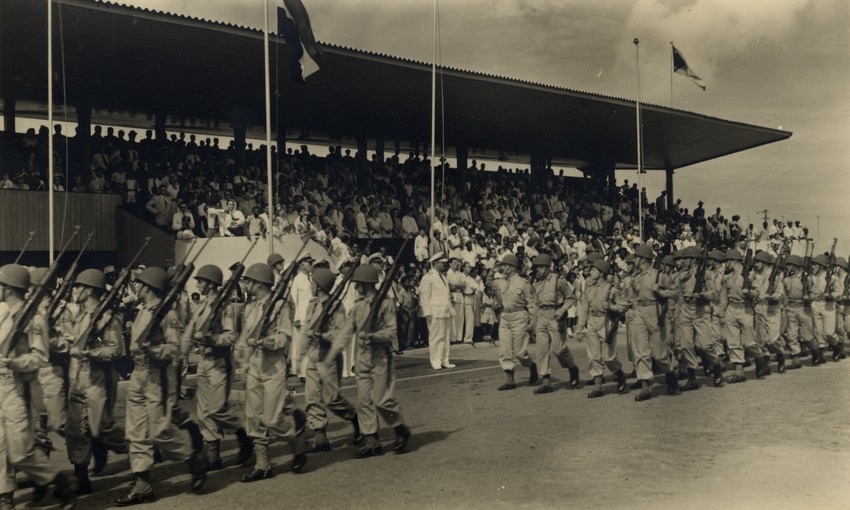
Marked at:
<point>680,66</point>
<point>298,34</point>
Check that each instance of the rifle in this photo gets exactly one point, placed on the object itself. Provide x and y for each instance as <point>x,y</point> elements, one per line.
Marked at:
<point>371,321</point>
<point>699,279</point>
<point>830,267</point>
<point>748,265</point>
<point>30,308</point>
<point>331,305</point>
<point>64,292</point>
<point>181,276</point>
<point>27,245</point>
<point>280,291</point>
<point>777,266</point>
<point>111,299</point>
<point>807,268</point>
<point>223,295</point>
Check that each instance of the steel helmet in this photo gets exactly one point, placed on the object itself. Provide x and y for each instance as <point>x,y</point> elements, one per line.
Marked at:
<point>764,256</point>
<point>324,278</point>
<point>691,252</point>
<point>92,278</point>
<point>644,251</point>
<point>365,273</point>
<point>794,260</point>
<point>260,272</point>
<point>840,262</point>
<point>15,275</point>
<point>37,275</point>
<point>733,255</point>
<point>821,260</point>
<point>274,258</point>
<point>630,259</point>
<point>594,255</point>
<point>510,259</point>
<point>677,254</point>
<point>210,273</point>
<point>602,265</point>
<point>542,260</point>
<point>668,261</point>
<point>154,277</point>
<point>717,255</point>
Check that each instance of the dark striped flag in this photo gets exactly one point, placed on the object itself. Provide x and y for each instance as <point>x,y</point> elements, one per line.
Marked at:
<point>295,29</point>
<point>680,66</point>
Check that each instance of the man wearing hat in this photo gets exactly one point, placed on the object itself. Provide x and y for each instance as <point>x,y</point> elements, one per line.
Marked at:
<point>457,284</point>
<point>436,301</point>
<point>554,298</point>
<point>17,369</point>
<point>270,410</point>
<point>596,328</point>
<point>842,303</point>
<point>736,307</point>
<point>799,325</point>
<point>300,295</point>
<point>214,336</point>
<point>518,305</point>
<point>321,390</point>
<point>823,295</point>
<point>646,288</point>
<point>767,311</point>
<point>151,394</point>
<point>93,384</point>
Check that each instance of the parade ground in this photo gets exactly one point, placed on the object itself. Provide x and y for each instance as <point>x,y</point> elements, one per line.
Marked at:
<point>778,443</point>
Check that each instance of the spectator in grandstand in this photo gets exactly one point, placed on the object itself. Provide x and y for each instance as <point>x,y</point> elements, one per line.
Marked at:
<point>182,218</point>
<point>5,182</point>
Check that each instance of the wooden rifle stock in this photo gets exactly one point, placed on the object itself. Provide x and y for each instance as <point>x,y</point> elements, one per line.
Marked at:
<point>280,291</point>
<point>223,295</point>
<point>332,303</point>
<point>371,321</point>
<point>64,293</point>
<point>830,267</point>
<point>777,265</point>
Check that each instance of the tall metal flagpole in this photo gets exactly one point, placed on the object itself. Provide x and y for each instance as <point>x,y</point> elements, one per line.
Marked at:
<point>268,130</point>
<point>50,233</point>
<point>672,67</point>
<point>433,119</point>
<point>639,147</point>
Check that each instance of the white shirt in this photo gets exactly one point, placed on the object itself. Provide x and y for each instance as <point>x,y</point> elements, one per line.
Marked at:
<point>301,294</point>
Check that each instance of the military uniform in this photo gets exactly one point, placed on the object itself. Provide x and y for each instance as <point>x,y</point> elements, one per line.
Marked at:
<point>594,314</point>
<point>799,325</point>
<point>519,304</point>
<point>823,310</point>
<point>737,309</point>
<point>554,297</point>
<point>768,317</point>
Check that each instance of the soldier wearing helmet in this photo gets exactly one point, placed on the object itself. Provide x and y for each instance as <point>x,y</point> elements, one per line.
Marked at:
<point>715,271</point>
<point>767,310</point>
<point>554,297</point>
<point>693,323</point>
<point>374,327</point>
<point>596,305</point>
<point>645,289</point>
<point>18,368</point>
<point>321,390</point>
<point>519,305</point>
<point>270,411</point>
<point>214,336</point>
<point>91,427</point>
<point>737,311</point>
<point>436,301</point>
<point>842,303</point>
<point>799,325</point>
<point>151,395</point>
<point>823,295</point>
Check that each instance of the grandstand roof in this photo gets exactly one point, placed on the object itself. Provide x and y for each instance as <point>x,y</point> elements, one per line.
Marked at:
<point>127,59</point>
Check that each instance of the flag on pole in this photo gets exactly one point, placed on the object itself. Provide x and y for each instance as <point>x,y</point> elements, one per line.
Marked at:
<point>296,31</point>
<point>681,67</point>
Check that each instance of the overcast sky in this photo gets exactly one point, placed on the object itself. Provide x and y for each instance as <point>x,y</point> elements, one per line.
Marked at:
<point>775,63</point>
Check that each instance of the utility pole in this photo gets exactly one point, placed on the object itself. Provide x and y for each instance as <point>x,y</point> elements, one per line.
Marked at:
<point>764,212</point>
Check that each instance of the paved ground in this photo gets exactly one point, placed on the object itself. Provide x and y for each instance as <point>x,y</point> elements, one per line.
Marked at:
<point>778,443</point>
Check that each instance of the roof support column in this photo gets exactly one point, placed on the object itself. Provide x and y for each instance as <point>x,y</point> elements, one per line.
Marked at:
<point>670,200</point>
<point>9,116</point>
<point>379,148</point>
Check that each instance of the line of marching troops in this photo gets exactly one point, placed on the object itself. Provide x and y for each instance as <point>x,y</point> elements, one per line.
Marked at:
<point>62,362</point>
<point>695,308</point>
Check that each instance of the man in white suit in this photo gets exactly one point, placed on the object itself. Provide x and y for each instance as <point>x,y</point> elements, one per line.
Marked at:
<point>437,308</point>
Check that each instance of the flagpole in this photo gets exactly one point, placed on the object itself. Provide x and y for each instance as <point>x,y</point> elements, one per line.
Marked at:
<point>672,66</point>
<point>433,118</point>
<point>50,169</point>
<point>267,98</point>
<point>636,42</point>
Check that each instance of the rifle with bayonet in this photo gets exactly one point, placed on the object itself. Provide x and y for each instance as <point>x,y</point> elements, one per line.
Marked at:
<point>222,298</point>
<point>699,278</point>
<point>331,305</point>
<point>31,306</point>
<point>279,292</point>
<point>830,268</point>
<point>110,301</point>
<point>807,271</point>
<point>26,245</point>
<point>371,321</point>
<point>778,264</point>
<point>64,293</point>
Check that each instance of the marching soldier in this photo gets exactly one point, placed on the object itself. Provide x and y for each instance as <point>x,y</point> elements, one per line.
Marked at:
<point>374,370</point>
<point>215,369</point>
<point>93,382</point>
<point>799,326</point>
<point>767,312</point>
<point>736,307</point>
<point>554,298</point>
<point>842,304</point>
<point>321,390</point>
<point>823,295</point>
<point>18,369</point>
<point>151,395</point>
<point>518,306</point>
<point>270,411</point>
<point>714,275</point>
<point>646,287</point>
<point>598,302</point>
